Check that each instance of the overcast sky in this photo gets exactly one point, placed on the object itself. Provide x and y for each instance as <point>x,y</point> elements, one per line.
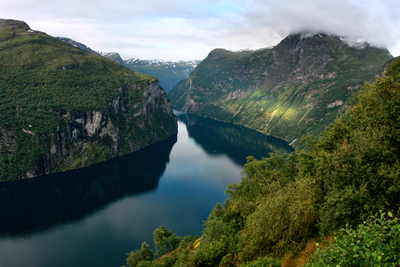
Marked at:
<point>190,29</point>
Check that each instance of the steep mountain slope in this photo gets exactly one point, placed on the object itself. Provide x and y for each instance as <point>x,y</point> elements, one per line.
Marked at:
<point>168,72</point>
<point>63,108</point>
<point>294,88</point>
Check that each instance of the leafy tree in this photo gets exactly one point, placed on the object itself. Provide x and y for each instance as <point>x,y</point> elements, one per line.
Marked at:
<point>144,254</point>
<point>282,222</point>
<point>165,240</point>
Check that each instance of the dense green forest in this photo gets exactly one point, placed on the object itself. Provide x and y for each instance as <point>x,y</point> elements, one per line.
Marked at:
<point>49,89</point>
<point>341,195</point>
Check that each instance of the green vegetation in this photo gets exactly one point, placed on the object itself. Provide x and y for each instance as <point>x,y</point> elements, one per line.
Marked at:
<point>145,254</point>
<point>349,174</point>
<point>296,88</point>
<point>375,242</point>
<point>47,86</point>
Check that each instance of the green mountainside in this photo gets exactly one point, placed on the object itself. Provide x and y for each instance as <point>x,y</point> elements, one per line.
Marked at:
<point>337,203</point>
<point>64,108</point>
<point>297,87</point>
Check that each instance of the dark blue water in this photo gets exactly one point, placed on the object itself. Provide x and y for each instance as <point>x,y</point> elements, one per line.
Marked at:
<point>94,216</point>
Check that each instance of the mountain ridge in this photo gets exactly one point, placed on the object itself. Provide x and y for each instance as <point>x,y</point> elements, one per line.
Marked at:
<point>168,72</point>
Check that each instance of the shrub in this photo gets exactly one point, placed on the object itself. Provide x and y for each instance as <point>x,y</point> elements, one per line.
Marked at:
<point>375,242</point>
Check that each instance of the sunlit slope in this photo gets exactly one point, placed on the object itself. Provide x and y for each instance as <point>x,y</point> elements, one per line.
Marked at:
<point>297,87</point>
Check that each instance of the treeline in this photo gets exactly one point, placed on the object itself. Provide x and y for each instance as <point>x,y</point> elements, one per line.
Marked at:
<point>344,187</point>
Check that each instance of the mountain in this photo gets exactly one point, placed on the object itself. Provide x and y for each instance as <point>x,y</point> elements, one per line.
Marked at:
<point>168,72</point>
<point>297,87</point>
<point>64,108</point>
<point>113,56</point>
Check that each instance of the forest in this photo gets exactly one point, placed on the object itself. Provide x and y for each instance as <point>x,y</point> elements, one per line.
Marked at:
<point>334,203</point>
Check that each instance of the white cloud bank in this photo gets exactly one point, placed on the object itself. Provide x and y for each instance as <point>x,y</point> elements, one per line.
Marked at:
<point>190,29</point>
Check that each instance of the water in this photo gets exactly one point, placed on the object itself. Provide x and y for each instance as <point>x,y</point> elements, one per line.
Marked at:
<point>94,216</point>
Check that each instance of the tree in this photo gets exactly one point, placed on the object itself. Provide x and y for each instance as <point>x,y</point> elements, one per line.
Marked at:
<point>144,254</point>
<point>165,240</point>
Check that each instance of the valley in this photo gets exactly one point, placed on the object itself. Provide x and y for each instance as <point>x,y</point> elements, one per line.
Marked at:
<point>302,136</point>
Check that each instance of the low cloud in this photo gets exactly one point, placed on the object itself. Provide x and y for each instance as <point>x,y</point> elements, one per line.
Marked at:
<point>186,30</point>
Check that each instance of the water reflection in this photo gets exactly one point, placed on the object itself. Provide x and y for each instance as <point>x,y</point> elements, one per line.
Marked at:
<point>94,216</point>
<point>236,141</point>
<point>36,205</point>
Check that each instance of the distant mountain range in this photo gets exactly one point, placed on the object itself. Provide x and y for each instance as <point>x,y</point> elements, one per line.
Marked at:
<point>297,87</point>
<point>167,72</point>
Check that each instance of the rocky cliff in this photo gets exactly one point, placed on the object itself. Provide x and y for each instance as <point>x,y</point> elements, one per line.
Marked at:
<point>63,108</point>
<point>294,88</point>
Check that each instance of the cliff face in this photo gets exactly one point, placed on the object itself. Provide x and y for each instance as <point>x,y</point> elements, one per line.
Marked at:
<point>294,88</point>
<point>63,108</point>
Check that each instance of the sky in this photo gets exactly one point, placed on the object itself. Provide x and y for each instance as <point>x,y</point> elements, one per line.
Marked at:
<point>190,29</point>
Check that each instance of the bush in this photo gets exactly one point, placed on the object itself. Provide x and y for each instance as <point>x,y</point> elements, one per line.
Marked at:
<point>375,242</point>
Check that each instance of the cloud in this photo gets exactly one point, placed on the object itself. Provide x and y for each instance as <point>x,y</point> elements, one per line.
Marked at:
<point>373,21</point>
<point>187,29</point>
